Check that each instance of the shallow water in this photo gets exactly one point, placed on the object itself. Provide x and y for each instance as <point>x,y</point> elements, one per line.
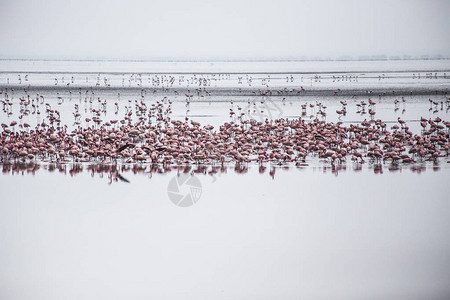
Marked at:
<point>315,231</point>
<point>357,77</point>
<point>303,233</point>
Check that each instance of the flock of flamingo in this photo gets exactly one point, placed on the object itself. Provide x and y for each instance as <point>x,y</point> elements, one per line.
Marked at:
<point>158,139</point>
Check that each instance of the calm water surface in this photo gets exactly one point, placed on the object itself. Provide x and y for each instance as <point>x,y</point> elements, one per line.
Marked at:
<point>351,232</point>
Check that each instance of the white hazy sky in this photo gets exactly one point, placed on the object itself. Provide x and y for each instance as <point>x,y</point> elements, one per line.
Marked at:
<point>232,29</point>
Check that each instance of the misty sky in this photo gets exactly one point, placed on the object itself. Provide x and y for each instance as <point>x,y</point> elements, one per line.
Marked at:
<point>233,29</point>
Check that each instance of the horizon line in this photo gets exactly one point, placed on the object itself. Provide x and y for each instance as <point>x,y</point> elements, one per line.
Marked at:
<point>362,58</point>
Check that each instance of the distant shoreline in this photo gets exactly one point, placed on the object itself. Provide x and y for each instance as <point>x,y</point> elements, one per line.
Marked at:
<point>227,60</point>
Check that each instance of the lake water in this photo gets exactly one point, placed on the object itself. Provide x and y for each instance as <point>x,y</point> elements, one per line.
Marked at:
<point>350,231</point>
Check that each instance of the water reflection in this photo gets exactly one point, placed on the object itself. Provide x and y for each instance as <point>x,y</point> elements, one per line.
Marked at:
<point>118,172</point>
